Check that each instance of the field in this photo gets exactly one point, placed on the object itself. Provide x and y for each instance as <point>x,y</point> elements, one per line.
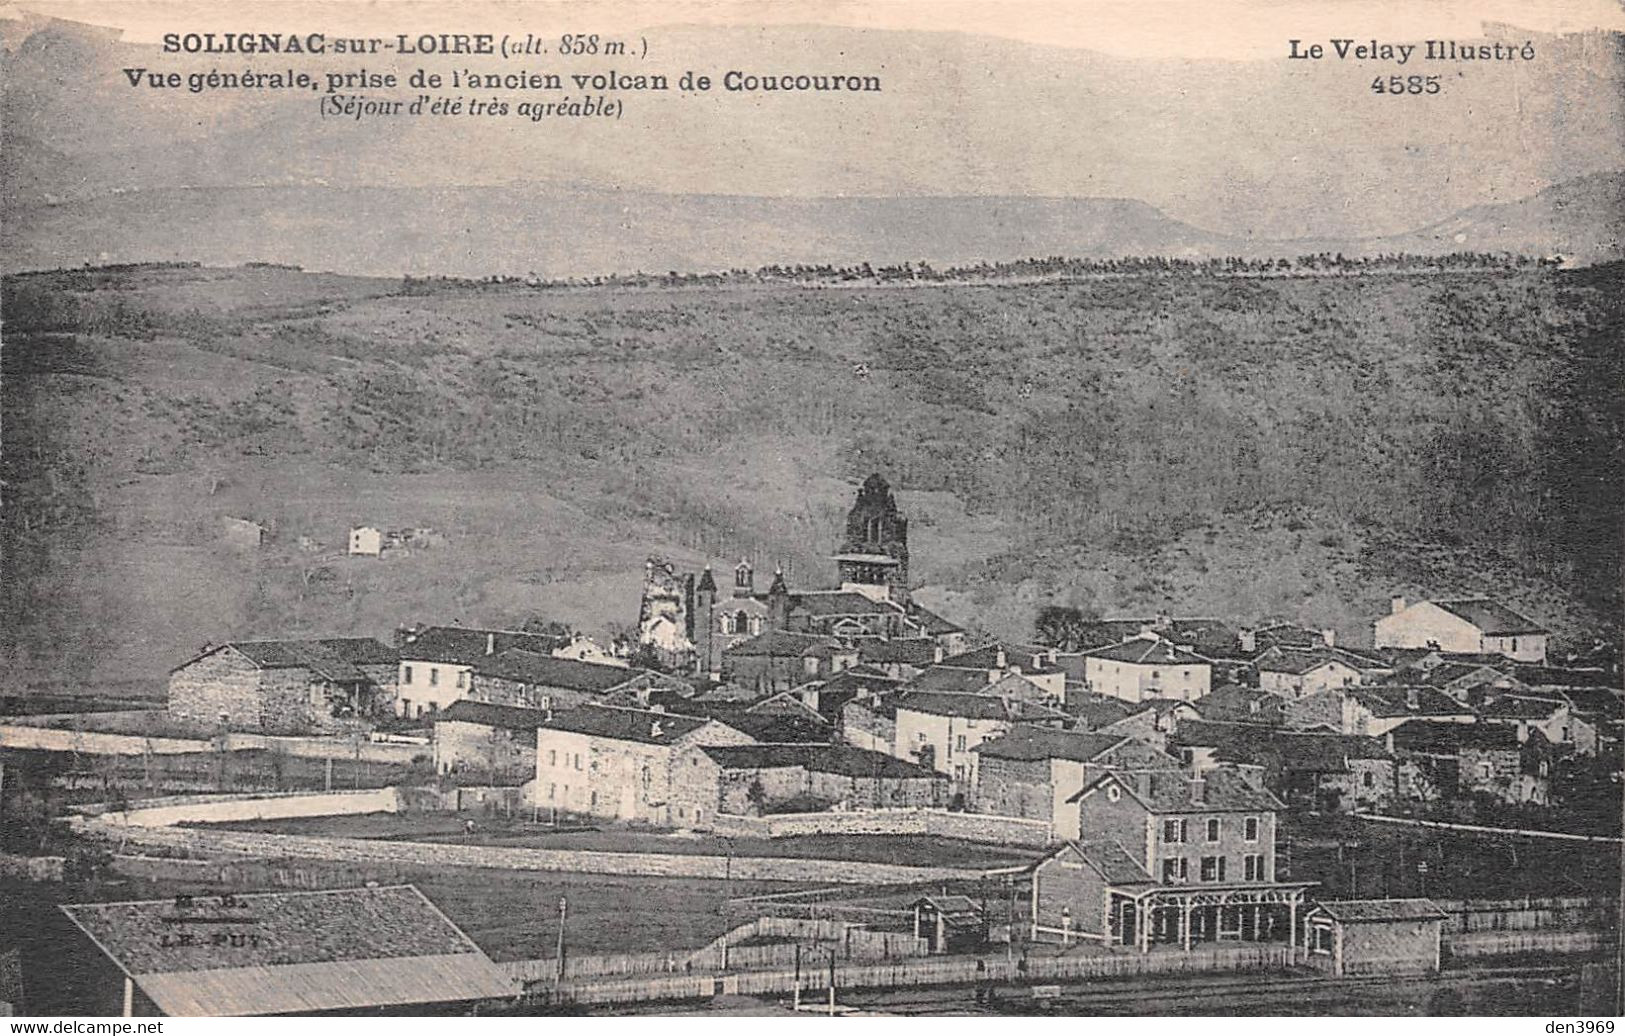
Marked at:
<point>520,831</point>
<point>1294,446</point>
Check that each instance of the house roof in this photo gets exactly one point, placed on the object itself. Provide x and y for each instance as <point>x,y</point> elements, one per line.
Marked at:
<point>782,643</point>
<point>642,725</point>
<point>1031,743</point>
<point>1367,911</point>
<point>334,658</point>
<point>933,624</point>
<point>1602,702</point>
<point>844,760</point>
<point>920,651</point>
<point>529,667</point>
<point>459,646</point>
<point>1451,738</point>
<point>1517,706</point>
<point>830,603</point>
<point>954,679</point>
<point>505,717</point>
<point>1107,858</point>
<point>1298,661</point>
<point>1148,651</point>
<point>1492,618</point>
<point>1096,710</point>
<point>301,952</point>
<point>1027,657</point>
<point>1557,676</point>
<point>1387,700</point>
<point>975,706</point>
<point>1243,704</point>
<point>956,911</point>
<point>1303,752</point>
<point>1221,791</point>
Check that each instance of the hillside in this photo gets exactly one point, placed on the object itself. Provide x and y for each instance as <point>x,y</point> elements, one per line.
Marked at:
<point>1294,446</point>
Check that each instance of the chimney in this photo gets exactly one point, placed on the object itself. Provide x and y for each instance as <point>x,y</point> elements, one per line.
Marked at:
<point>1000,660</point>
<point>1397,604</point>
<point>490,643</point>
<point>1198,791</point>
<point>1413,698</point>
<point>1328,637</point>
<point>936,653</point>
<point>1249,642</point>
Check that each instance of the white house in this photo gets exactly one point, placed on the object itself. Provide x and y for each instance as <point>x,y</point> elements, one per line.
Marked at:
<point>1464,625</point>
<point>1147,667</point>
<point>366,540</point>
<point>941,730</point>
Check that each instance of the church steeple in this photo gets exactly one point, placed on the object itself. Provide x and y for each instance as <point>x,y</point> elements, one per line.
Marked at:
<point>874,556</point>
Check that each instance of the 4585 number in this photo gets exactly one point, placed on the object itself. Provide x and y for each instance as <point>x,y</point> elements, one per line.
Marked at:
<point>1399,85</point>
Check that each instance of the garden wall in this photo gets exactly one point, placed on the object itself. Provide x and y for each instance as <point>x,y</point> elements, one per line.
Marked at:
<point>970,827</point>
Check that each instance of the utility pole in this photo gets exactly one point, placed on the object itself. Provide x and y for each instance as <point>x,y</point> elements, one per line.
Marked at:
<point>564,907</point>
<point>795,994</point>
<point>832,982</point>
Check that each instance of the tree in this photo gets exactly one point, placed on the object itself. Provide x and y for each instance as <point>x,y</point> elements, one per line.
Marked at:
<point>546,627</point>
<point>1059,626</point>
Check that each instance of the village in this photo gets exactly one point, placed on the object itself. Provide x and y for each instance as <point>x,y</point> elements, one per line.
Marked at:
<point>851,775</point>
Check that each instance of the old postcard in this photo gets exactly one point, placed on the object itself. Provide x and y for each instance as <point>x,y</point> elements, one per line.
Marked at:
<point>848,509</point>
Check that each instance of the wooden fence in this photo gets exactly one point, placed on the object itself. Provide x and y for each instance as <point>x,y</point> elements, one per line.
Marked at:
<point>814,975</point>
<point>1510,943</point>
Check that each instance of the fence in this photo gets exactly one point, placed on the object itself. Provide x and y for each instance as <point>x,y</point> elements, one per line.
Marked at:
<point>930,972</point>
<point>33,868</point>
<point>1555,913</point>
<point>1492,944</point>
<point>941,823</point>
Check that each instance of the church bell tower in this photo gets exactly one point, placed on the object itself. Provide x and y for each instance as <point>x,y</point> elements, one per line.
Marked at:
<point>873,559</point>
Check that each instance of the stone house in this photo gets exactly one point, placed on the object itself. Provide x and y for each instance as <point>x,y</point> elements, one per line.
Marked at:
<point>437,663</point>
<point>749,780</point>
<point>778,660</point>
<point>1462,624</point>
<point>1167,859</point>
<point>496,743</point>
<point>527,679</point>
<point>1374,710</point>
<point>1035,664</point>
<point>870,721</point>
<point>941,730</point>
<point>1153,720</point>
<point>1458,761</point>
<point>900,659</point>
<point>1147,667</point>
<point>1294,672</point>
<point>1032,771</point>
<point>616,763</point>
<point>285,686</point>
<point>1374,936</point>
<point>1553,716</point>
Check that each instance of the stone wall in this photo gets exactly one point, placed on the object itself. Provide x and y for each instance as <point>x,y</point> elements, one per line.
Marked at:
<point>970,827</point>
<point>223,687</point>
<point>216,809</point>
<point>1014,787</point>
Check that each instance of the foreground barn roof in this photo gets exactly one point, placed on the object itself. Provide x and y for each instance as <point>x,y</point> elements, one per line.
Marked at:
<point>292,952</point>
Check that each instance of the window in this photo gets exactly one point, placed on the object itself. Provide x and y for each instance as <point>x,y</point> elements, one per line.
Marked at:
<point>1253,865</point>
<point>406,674</point>
<point>1213,868</point>
<point>1249,829</point>
<point>1175,869</point>
<point>1173,831</point>
<point>922,737</point>
<point>1113,793</point>
<point>1156,675</point>
<point>1320,939</point>
<point>552,757</point>
<point>959,772</point>
<point>1370,779</point>
<point>1514,643</point>
<point>1485,770</point>
<point>1213,829</point>
<point>959,743</point>
<point>546,701</point>
<point>592,799</point>
<point>434,677</point>
<point>462,680</point>
<point>578,760</point>
<point>552,791</point>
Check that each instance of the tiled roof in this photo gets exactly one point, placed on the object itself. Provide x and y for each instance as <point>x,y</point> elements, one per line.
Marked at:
<point>1302,752</point>
<point>1148,651</point>
<point>843,760</point>
<point>974,706</point>
<point>920,651</point>
<point>1450,738</point>
<point>655,728</point>
<point>459,646</point>
<point>1222,791</point>
<point>1493,618</point>
<point>298,952</point>
<point>1201,633</point>
<point>933,624</point>
<point>1298,661</point>
<point>781,643</point>
<point>528,667</point>
<point>1359,911</point>
<point>1110,860</point>
<point>830,603</point>
<point>1025,742</point>
<point>1602,702</point>
<point>1240,704</point>
<point>1520,707</point>
<point>1028,657</point>
<point>1096,710</point>
<point>953,679</point>
<point>1556,676</point>
<point>859,678</point>
<point>506,717</point>
<point>1386,701</point>
<point>335,658</point>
